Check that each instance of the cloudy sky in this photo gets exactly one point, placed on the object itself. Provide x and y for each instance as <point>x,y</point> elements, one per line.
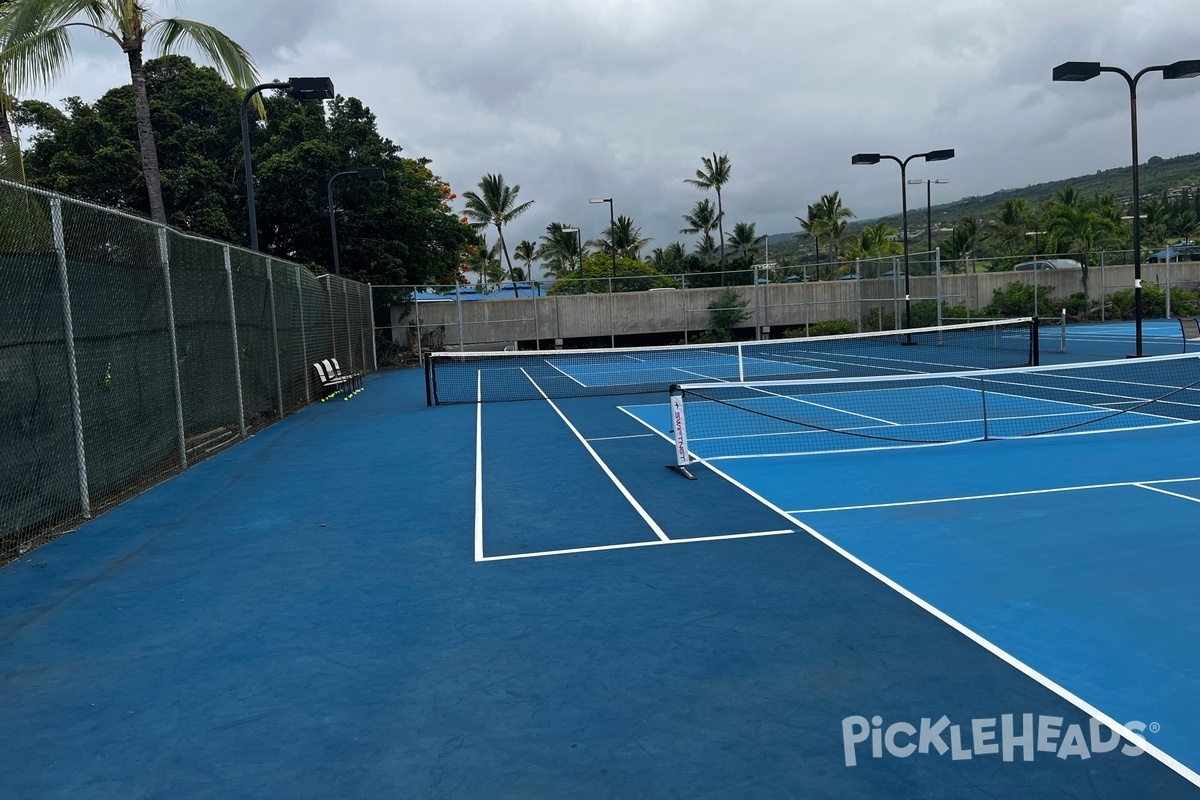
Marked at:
<point>574,99</point>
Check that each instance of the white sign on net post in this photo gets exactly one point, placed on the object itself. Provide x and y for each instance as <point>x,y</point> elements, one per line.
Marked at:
<point>679,428</point>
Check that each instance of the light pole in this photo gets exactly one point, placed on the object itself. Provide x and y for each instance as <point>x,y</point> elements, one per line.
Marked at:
<point>928,206</point>
<point>299,88</point>
<point>579,249</point>
<point>1086,70</point>
<point>612,232</point>
<point>366,174</point>
<point>875,158</point>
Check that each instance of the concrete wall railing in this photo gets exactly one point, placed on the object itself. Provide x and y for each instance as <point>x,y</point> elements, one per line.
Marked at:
<point>552,320</point>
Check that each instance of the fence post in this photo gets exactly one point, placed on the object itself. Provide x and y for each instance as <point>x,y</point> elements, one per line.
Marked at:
<point>458,311</point>
<point>858,292</point>
<point>303,339</point>
<point>60,249</point>
<point>757,312</point>
<point>237,362</point>
<point>1168,283</point>
<point>686,322</point>
<point>349,332</point>
<point>275,336</point>
<point>896,291</point>
<point>537,334</point>
<point>937,265</point>
<point>371,313</point>
<point>1103,291</point>
<point>164,258</point>
<point>612,323</point>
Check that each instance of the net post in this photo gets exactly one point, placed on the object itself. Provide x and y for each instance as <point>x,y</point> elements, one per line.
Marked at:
<point>983,407</point>
<point>1034,346</point>
<point>679,429</point>
<point>429,387</point>
<point>1062,331</point>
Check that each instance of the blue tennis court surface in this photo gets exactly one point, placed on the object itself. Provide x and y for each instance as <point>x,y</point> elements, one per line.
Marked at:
<point>377,599</point>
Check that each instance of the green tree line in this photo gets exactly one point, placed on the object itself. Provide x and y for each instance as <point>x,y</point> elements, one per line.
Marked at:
<point>400,230</point>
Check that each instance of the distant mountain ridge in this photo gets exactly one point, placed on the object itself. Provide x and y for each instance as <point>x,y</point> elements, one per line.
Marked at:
<point>1155,176</point>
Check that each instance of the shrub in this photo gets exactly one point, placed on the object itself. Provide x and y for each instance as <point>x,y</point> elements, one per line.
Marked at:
<point>728,311</point>
<point>1016,300</point>
<point>829,327</point>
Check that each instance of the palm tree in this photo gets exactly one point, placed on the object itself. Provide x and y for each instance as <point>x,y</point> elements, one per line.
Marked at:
<point>874,241</point>
<point>11,167</point>
<point>496,205</point>
<point>623,236</point>
<point>1012,223</point>
<point>832,215</point>
<point>963,240</point>
<point>559,250</point>
<point>483,260</point>
<point>706,248</point>
<point>1081,226</point>
<point>527,251</point>
<point>714,176</point>
<point>702,219</point>
<point>744,241</point>
<point>668,260</point>
<point>37,47</point>
<point>813,228</point>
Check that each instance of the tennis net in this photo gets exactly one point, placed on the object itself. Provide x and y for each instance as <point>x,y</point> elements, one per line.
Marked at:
<point>778,418</point>
<point>482,377</point>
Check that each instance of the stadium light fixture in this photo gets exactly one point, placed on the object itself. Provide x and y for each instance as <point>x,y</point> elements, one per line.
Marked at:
<point>579,247</point>
<point>365,174</point>
<point>612,232</point>
<point>1086,70</point>
<point>875,158</point>
<point>928,206</point>
<point>300,89</point>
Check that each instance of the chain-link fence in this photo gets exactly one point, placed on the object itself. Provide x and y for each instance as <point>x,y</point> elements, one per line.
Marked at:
<point>129,352</point>
<point>775,301</point>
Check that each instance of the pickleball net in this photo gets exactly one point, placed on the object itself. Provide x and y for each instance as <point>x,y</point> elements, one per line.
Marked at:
<point>778,418</point>
<point>457,377</point>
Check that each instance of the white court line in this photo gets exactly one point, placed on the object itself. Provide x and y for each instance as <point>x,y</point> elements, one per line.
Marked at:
<point>616,482</point>
<point>619,438</point>
<point>552,365</point>
<point>1087,708</point>
<point>628,545</point>
<point>479,466</point>
<point>1095,713</point>
<point>964,498</point>
<point>1164,491</point>
<point>806,402</point>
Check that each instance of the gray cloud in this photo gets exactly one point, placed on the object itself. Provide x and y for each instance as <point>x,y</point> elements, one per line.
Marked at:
<point>621,98</point>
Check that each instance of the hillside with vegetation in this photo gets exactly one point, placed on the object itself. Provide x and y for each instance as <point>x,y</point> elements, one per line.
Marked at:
<point>1166,184</point>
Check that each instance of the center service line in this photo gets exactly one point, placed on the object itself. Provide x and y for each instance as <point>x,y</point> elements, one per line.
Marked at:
<point>620,486</point>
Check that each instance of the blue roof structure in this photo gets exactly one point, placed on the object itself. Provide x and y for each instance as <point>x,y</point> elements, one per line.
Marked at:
<point>502,292</point>
<point>524,289</point>
<point>465,293</point>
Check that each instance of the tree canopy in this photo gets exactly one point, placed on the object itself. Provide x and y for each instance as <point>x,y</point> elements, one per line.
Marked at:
<point>400,230</point>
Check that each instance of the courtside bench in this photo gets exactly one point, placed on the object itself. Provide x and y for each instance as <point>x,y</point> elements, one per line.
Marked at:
<point>1190,329</point>
<point>331,378</point>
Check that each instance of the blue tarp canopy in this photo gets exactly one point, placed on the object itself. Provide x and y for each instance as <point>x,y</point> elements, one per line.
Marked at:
<point>504,291</point>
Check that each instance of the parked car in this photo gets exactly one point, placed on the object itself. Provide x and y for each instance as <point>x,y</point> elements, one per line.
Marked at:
<point>1184,251</point>
<point>1048,263</point>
